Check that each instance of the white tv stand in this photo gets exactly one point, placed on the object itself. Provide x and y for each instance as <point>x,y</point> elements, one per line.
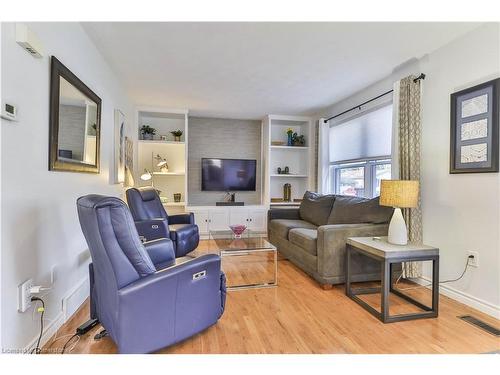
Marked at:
<point>220,217</point>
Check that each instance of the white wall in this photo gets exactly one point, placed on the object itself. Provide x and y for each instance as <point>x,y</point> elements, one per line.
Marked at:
<point>40,226</point>
<point>460,212</point>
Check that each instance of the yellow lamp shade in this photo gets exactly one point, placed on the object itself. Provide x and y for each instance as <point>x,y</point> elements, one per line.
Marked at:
<point>399,193</point>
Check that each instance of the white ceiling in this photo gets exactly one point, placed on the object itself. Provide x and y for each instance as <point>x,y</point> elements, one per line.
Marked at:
<point>248,70</point>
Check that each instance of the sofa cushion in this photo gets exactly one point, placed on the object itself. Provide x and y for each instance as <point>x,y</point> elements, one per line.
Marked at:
<point>354,210</point>
<point>281,227</point>
<point>315,208</point>
<point>306,239</point>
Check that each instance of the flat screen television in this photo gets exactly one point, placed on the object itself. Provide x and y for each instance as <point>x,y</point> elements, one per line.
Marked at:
<point>228,174</point>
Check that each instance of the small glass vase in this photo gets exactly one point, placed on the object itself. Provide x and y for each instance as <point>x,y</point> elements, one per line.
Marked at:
<point>289,140</point>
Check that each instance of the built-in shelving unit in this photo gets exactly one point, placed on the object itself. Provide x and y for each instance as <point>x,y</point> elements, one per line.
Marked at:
<point>290,148</point>
<point>174,152</point>
<point>297,158</point>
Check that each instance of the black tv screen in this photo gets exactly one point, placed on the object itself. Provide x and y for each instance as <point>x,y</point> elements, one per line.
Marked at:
<point>228,174</point>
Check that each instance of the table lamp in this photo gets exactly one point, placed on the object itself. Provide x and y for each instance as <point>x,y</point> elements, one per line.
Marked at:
<point>398,194</point>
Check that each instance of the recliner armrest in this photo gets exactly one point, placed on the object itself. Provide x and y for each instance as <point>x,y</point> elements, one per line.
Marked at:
<point>161,252</point>
<point>185,218</point>
<point>153,229</point>
<point>162,308</point>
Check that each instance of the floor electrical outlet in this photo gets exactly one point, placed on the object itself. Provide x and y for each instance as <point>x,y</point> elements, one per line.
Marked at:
<point>24,295</point>
<point>473,262</point>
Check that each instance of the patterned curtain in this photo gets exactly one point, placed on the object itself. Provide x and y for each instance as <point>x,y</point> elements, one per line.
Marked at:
<point>409,159</point>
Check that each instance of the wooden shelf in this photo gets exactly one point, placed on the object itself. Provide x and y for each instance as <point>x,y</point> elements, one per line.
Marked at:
<point>302,148</point>
<point>290,175</point>
<point>169,173</point>
<point>285,203</point>
<point>174,204</point>
<point>162,142</point>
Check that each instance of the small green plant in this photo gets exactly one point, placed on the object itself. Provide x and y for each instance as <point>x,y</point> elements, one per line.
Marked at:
<point>298,140</point>
<point>176,133</point>
<point>146,129</point>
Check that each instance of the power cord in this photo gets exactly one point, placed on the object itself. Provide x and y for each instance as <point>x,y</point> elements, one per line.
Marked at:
<point>41,310</point>
<point>467,264</point>
<point>80,331</point>
<point>69,340</point>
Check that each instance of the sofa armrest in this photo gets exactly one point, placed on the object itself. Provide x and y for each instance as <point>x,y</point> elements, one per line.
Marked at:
<point>161,252</point>
<point>283,213</point>
<point>332,243</point>
<point>185,218</point>
<point>152,229</point>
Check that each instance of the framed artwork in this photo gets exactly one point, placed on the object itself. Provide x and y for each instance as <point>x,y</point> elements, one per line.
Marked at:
<point>474,129</point>
<point>119,159</point>
<point>129,162</point>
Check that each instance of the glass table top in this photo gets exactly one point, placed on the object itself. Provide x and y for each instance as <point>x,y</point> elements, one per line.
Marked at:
<point>226,240</point>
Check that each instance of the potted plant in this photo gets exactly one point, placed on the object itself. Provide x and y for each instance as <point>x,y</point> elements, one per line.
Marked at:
<point>177,134</point>
<point>147,132</point>
<point>298,140</point>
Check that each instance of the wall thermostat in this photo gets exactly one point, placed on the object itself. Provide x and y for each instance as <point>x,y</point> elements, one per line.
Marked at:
<point>9,111</point>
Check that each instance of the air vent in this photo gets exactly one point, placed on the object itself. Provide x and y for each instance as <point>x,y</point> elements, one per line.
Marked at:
<point>28,40</point>
<point>480,324</point>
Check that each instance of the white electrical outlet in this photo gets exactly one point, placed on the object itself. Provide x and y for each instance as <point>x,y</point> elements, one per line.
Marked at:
<point>24,295</point>
<point>473,262</point>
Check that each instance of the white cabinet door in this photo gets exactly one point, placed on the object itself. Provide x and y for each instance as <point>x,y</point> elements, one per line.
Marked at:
<point>239,216</point>
<point>258,220</point>
<point>201,219</point>
<point>218,220</point>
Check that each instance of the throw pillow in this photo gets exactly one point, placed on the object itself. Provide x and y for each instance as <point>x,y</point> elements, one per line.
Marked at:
<point>354,210</point>
<point>315,208</point>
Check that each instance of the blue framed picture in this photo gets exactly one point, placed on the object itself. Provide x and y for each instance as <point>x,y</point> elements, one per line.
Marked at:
<point>474,129</point>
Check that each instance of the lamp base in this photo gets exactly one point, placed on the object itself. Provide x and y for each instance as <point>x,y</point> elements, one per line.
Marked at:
<point>398,235</point>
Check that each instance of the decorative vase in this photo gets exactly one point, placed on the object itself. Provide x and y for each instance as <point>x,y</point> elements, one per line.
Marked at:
<point>287,192</point>
<point>289,140</point>
<point>238,230</point>
<point>177,197</point>
<point>177,138</point>
<point>147,136</point>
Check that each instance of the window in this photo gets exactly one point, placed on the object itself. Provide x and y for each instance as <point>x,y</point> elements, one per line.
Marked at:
<point>360,179</point>
<point>360,150</point>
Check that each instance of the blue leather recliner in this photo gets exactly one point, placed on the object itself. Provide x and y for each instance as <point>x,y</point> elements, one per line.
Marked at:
<point>140,295</point>
<point>152,221</point>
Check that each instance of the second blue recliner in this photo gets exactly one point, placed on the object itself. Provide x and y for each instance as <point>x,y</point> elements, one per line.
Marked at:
<point>153,222</point>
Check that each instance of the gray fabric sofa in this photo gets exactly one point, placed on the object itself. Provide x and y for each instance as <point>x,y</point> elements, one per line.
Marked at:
<point>313,237</point>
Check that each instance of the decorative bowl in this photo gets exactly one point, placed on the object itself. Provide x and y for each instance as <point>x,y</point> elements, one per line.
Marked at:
<point>238,230</point>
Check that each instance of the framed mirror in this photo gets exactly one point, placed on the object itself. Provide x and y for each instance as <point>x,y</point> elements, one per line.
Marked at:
<point>75,123</point>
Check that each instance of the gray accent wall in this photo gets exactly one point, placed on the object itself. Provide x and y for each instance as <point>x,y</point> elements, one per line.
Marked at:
<point>224,139</point>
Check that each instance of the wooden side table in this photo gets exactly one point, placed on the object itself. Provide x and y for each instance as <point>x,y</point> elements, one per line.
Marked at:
<point>387,254</point>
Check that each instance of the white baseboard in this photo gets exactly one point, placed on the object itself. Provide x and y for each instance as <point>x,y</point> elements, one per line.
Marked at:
<point>70,304</point>
<point>465,298</point>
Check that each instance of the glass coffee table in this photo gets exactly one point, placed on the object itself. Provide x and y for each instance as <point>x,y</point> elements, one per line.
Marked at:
<point>249,261</point>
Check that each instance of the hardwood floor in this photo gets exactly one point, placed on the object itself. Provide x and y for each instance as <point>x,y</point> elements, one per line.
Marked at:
<point>299,316</point>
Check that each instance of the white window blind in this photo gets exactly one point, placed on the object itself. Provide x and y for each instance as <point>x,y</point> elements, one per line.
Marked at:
<point>366,136</point>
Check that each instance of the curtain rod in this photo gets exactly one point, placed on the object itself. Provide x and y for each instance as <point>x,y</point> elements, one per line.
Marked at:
<point>421,76</point>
